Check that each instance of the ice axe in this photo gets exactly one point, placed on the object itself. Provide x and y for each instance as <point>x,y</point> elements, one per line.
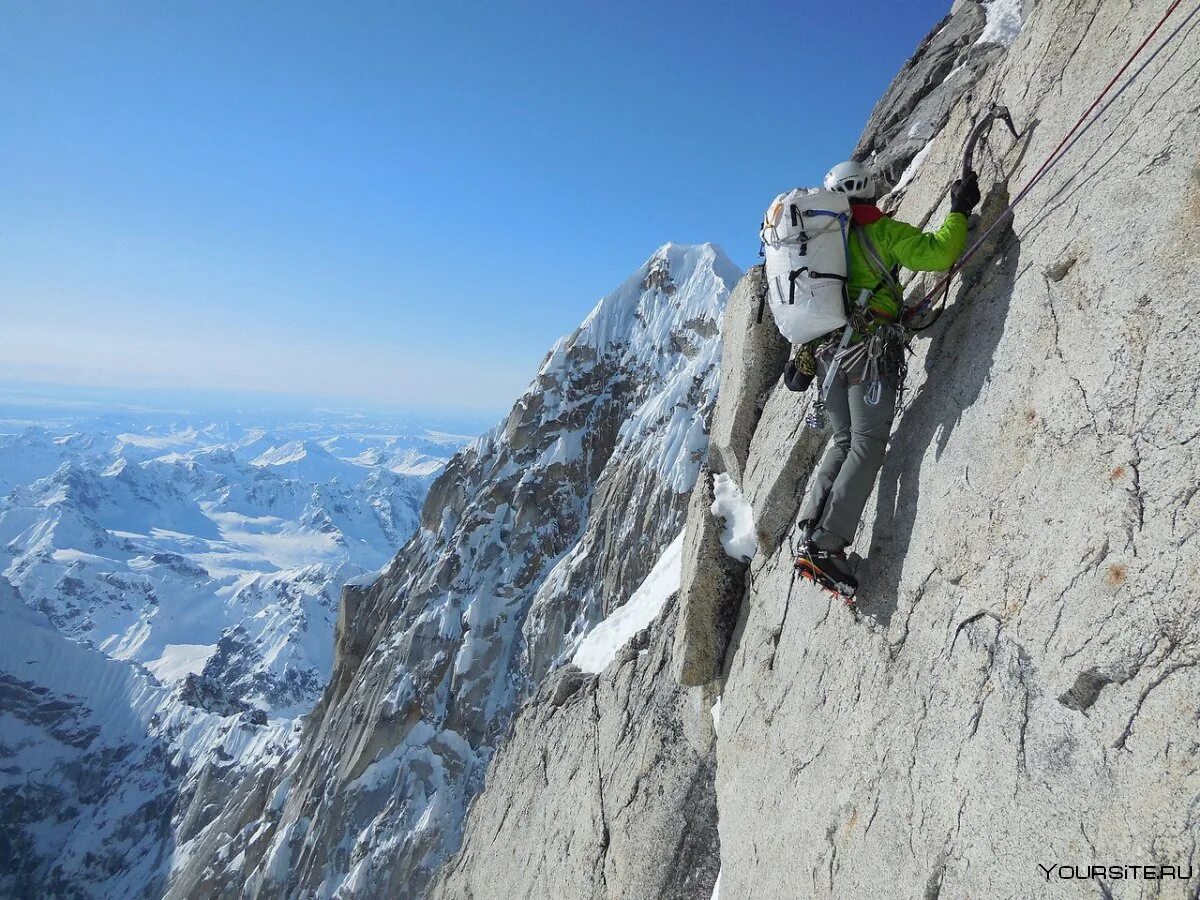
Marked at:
<point>982,127</point>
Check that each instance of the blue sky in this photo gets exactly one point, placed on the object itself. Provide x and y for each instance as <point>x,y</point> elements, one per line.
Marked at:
<point>400,204</point>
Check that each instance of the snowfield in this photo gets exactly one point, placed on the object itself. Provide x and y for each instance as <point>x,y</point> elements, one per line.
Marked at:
<point>168,593</point>
<point>180,660</point>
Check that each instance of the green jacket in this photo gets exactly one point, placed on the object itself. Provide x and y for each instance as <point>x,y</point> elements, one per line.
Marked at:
<point>899,244</point>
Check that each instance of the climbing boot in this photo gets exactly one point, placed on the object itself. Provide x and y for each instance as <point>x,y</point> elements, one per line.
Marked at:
<point>829,569</point>
<point>807,527</point>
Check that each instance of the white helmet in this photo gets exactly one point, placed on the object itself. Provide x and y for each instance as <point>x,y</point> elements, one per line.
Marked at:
<point>852,178</point>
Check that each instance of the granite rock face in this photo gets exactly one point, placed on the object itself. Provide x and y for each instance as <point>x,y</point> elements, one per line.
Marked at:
<point>919,101</point>
<point>1018,685</point>
<point>712,582</point>
<point>606,789</point>
<point>753,359</point>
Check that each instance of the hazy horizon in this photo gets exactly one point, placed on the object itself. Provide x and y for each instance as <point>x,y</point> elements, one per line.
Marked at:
<point>45,403</point>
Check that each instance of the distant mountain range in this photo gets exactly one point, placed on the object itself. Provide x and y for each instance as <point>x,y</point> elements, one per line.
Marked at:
<point>208,547</point>
<point>168,593</point>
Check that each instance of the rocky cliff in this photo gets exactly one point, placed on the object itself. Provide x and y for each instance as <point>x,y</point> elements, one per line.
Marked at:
<point>532,535</point>
<point>1017,684</point>
<point>605,789</point>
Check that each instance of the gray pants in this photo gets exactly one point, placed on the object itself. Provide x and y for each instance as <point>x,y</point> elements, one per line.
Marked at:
<point>843,482</point>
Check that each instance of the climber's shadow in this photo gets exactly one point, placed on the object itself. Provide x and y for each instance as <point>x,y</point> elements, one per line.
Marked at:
<point>957,367</point>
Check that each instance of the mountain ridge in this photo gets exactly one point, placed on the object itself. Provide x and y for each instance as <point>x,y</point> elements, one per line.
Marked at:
<point>529,536</point>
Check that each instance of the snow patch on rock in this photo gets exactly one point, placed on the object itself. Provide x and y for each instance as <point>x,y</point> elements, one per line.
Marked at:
<point>1003,22</point>
<point>600,646</point>
<point>910,171</point>
<point>738,538</point>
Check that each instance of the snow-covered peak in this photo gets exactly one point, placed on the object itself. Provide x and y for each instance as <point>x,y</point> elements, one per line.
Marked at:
<point>653,339</point>
<point>292,452</point>
<point>307,460</point>
<point>677,283</point>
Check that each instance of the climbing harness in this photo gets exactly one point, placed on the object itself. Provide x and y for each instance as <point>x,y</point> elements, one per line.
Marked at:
<point>885,333</point>
<point>1069,140</point>
<point>883,337</point>
<point>816,417</point>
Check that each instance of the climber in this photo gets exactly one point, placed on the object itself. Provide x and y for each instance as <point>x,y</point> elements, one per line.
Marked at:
<point>867,373</point>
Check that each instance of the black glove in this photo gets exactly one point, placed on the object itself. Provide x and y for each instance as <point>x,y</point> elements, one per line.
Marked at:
<point>794,378</point>
<point>964,194</point>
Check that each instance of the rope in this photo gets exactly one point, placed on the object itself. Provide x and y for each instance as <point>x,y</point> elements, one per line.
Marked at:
<point>1064,146</point>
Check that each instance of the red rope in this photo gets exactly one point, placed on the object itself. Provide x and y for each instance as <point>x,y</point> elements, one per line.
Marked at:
<point>1045,167</point>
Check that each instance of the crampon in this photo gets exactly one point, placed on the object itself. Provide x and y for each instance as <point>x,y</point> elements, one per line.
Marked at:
<point>832,583</point>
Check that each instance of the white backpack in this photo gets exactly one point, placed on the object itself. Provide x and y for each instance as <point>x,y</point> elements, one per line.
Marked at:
<point>804,235</point>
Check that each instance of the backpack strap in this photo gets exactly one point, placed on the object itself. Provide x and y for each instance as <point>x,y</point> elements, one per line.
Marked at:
<point>886,275</point>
